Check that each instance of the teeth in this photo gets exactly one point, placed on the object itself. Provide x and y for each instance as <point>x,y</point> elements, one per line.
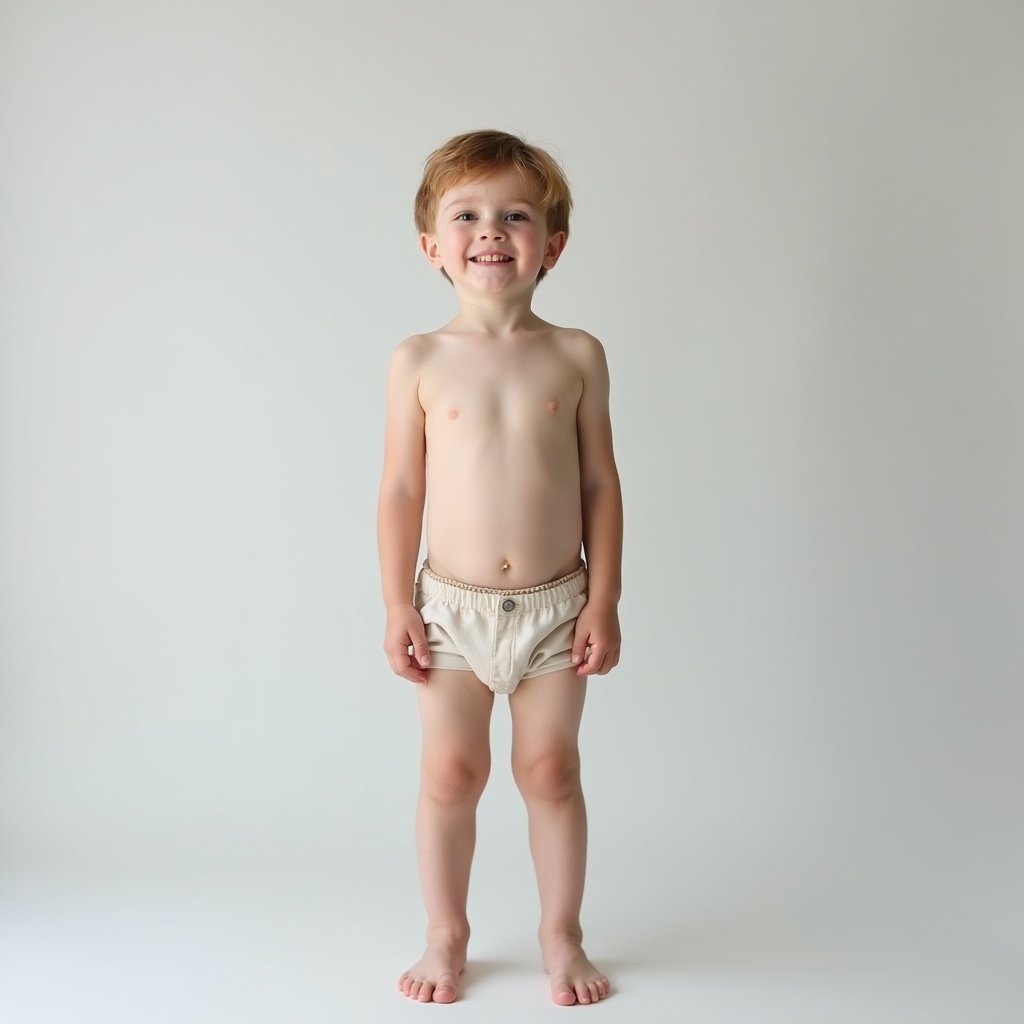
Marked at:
<point>492,259</point>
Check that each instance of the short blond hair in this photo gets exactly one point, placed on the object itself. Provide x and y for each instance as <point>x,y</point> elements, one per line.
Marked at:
<point>480,154</point>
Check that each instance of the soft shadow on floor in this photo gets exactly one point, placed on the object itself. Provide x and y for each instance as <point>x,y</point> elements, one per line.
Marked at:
<point>755,938</point>
<point>480,970</point>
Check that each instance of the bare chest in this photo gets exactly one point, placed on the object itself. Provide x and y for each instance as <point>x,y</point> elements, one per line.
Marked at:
<point>504,394</point>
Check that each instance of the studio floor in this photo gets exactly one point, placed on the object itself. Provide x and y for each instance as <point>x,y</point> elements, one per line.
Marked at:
<point>314,945</point>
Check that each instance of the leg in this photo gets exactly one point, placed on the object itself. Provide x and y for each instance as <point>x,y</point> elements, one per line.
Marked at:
<point>546,712</point>
<point>455,714</point>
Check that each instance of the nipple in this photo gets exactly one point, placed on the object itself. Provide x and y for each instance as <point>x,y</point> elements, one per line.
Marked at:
<point>552,406</point>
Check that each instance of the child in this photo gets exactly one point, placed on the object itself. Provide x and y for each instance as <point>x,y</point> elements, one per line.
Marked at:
<point>502,420</point>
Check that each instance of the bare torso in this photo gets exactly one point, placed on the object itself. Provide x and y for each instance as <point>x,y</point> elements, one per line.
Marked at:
<point>503,471</point>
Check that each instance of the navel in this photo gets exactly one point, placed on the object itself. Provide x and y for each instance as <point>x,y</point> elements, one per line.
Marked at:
<point>505,566</point>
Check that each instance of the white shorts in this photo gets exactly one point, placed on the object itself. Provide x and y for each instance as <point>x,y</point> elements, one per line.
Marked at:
<point>501,635</point>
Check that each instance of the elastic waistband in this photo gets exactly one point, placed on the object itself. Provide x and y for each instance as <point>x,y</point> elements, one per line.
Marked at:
<point>466,595</point>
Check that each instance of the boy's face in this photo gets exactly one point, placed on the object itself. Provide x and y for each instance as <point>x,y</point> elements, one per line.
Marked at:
<point>490,236</point>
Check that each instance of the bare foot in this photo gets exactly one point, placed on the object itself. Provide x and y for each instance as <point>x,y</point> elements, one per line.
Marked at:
<point>435,977</point>
<point>574,979</point>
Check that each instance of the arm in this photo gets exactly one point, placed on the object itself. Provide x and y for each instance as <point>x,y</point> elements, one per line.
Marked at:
<point>601,499</point>
<point>400,509</point>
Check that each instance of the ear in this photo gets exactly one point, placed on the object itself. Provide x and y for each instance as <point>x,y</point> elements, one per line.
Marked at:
<point>428,245</point>
<point>553,249</point>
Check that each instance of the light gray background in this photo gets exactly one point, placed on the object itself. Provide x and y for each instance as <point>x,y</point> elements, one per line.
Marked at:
<point>799,234</point>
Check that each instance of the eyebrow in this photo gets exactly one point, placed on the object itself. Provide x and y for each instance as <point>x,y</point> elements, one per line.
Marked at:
<point>469,200</point>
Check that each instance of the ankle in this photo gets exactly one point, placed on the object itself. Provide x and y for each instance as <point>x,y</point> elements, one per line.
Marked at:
<point>451,934</point>
<point>561,933</point>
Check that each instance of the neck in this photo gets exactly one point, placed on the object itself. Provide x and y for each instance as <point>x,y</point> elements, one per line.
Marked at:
<point>496,316</point>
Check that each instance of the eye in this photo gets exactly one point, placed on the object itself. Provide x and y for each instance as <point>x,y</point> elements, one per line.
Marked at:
<point>464,215</point>
<point>516,215</point>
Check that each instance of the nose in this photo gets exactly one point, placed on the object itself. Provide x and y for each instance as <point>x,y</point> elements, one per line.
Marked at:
<point>493,231</point>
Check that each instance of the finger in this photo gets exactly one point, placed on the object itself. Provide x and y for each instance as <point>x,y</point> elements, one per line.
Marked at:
<point>417,639</point>
<point>579,648</point>
<point>403,665</point>
<point>414,673</point>
<point>420,651</point>
<point>416,670</point>
<point>588,653</point>
<point>595,661</point>
<point>603,662</point>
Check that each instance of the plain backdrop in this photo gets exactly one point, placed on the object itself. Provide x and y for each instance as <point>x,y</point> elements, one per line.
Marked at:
<point>798,232</point>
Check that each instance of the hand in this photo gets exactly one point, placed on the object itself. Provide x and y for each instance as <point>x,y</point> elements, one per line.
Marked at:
<point>597,627</point>
<point>405,629</point>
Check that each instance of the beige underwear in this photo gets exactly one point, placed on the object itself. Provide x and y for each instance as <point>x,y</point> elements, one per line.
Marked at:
<point>501,635</point>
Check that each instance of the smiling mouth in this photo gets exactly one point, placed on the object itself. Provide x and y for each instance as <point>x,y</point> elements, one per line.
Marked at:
<point>490,259</point>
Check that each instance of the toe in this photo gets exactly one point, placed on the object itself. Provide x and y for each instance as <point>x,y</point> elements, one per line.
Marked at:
<point>445,990</point>
<point>413,991</point>
<point>426,992</point>
<point>581,992</point>
<point>592,989</point>
<point>562,992</point>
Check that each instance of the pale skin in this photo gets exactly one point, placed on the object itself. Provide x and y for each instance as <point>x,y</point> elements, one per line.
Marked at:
<point>513,412</point>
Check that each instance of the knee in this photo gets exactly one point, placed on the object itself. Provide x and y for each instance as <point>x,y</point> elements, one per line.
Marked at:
<point>452,778</point>
<point>551,776</point>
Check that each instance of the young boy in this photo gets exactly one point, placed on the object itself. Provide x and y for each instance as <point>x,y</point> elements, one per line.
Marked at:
<point>502,420</point>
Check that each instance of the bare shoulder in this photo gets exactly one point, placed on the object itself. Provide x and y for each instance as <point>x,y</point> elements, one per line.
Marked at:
<point>411,351</point>
<point>410,357</point>
<point>584,349</point>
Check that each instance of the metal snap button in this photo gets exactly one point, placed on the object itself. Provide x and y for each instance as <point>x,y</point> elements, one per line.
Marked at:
<point>508,604</point>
